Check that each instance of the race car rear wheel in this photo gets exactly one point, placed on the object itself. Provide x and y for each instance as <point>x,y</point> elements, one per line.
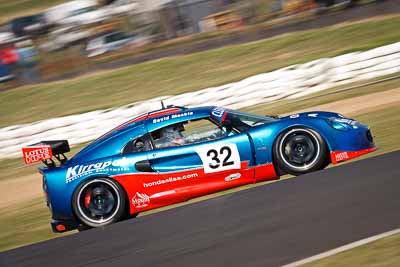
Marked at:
<point>300,150</point>
<point>99,202</point>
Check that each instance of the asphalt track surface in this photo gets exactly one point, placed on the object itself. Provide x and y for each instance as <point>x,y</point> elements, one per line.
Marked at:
<point>270,225</point>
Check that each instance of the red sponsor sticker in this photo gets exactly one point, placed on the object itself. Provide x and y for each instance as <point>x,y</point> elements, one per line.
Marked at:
<point>341,156</point>
<point>140,200</point>
<point>36,153</point>
<point>338,156</point>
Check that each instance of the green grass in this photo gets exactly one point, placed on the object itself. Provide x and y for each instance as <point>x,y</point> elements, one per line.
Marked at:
<point>381,253</point>
<point>181,74</point>
<point>25,224</point>
<point>14,168</point>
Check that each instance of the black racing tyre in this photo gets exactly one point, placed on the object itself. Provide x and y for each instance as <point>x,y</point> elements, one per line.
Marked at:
<point>300,150</point>
<point>99,202</point>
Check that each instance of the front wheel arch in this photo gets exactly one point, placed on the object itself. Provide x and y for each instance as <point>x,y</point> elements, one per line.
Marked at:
<point>282,168</point>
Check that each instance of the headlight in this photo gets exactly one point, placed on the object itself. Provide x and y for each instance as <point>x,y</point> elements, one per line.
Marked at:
<point>340,124</point>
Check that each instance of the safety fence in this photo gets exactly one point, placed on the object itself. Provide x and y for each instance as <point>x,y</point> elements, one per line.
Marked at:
<point>287,83</point>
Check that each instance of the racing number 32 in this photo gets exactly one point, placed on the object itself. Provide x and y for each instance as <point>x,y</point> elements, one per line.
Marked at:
<point>215,156</point>
<point>218,158</point>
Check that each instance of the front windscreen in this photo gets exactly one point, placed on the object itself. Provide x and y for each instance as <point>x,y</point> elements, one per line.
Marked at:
<point>243,121</point>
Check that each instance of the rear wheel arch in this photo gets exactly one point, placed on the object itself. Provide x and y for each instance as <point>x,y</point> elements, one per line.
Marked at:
<point>120,194</point>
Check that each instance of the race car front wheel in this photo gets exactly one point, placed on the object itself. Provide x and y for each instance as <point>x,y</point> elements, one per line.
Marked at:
<point>300,150</point>
<point>99,202</point>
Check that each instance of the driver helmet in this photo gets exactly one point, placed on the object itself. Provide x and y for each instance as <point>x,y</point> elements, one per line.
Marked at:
<point>173,133</point>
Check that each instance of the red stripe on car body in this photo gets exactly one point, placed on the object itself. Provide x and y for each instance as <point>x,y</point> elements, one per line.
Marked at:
<point>163,112</point>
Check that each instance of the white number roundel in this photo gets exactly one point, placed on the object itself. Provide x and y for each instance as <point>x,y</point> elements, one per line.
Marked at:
<point>219,157</point>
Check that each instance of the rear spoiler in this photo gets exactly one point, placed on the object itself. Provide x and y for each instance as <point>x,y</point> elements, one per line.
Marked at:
<point>44,152</point>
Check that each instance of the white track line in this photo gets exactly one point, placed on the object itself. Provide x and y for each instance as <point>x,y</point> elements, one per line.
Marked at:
<point>343,248</point>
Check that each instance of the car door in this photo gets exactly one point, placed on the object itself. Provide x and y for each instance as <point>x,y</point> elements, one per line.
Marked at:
<point>207,161</point>
<point>143,183</point>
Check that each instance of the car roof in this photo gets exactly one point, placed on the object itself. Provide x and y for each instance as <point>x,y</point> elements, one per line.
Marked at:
<point>153,120</point>
<point>159,119</point>
<point>162,117</point>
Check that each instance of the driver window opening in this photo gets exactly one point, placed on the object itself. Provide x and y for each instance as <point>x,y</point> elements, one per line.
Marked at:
<point>186,133</point>
<point>140,144</point>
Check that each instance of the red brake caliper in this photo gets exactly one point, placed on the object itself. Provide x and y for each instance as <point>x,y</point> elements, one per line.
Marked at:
<point>88,197</point>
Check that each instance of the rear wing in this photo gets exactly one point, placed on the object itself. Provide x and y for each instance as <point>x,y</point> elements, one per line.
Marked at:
<point>45,151</point>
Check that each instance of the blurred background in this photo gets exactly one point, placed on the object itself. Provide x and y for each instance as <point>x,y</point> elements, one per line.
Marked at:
<point>52,40</point>
<point>73,69</point>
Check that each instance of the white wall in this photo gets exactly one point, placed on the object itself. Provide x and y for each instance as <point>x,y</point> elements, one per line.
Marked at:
<point>287,83</point>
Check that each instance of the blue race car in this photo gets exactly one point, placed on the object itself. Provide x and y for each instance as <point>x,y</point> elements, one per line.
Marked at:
<point>175,154</point>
